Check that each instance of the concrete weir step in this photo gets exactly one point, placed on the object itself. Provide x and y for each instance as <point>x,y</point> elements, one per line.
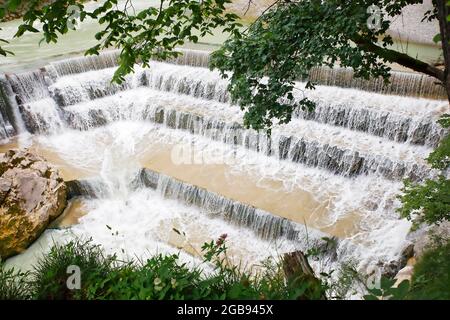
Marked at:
<point>264,224</point>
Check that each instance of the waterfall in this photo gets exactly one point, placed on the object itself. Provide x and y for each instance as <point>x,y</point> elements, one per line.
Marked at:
<point>345,160</point>
<point>109,59</point>
<point>397,127</point>
<point>340,151</point>
<point>262,223</point>
<point>193,58</point>
<point>10,110</point>
<point>78,80</point>
<point>401,83</point>
<point>6,127</point>
<point>91,85</point>
<point>303,148</point>
<point>39,112</point>
<point>196,82</point>
<point>91,188</point>
<point>66,67</point>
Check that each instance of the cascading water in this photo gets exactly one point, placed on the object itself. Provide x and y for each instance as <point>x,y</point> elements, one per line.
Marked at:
<point>402,83</point>
<point>166,150</point>
<point>6,128</point>
<point>38,111</point>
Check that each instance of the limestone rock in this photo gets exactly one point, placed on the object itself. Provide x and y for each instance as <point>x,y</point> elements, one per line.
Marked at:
<point>404,274</point>
<point>425,237</point>
<point>32,194</point>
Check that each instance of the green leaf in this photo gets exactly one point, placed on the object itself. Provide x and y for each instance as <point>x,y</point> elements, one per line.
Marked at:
<point>402,290</point>
<point>437,38</point>
<point>376,292</point>
<point>12,5</point>
<point>386,283</point>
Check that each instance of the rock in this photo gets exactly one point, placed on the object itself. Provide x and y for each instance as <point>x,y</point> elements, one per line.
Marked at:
<point>407,253</point>
<point>404,274</point>
<point>32,194</point>
<point>284,147</point>
<point>5,186</point>
<point>392,268</point>
<point>83,188</point>
<point>426,237</point>
<point>389,269</point>
<point>159,115</point>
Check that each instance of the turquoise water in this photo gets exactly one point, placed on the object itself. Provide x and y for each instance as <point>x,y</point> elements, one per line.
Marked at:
<point>29,54</point>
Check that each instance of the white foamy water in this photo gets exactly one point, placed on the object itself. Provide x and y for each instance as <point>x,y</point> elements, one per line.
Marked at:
<point>139,223</point>
<point>139,103</point>
<point>334,172</point>
<point>117,150</point>
<point>143,225</point>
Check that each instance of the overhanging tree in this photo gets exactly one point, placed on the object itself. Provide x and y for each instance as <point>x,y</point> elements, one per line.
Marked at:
<point>292,37</point>
<point>282,45</point>
<point>152,33</point>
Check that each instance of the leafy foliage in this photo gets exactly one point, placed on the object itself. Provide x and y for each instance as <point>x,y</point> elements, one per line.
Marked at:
<point>431,279</point>
<point>48,279</point>
<point>281,46</point>
<point>160,277</point>
<point>152,33</point>
<point>348,281</point>
<point>430,202</point>
<point>388,290</point>
<point>13,284</point>
<point>293,37</point>
<point>440,158</point>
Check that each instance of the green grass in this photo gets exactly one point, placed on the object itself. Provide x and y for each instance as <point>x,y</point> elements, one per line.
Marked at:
<point>161,277</point>
<point>13,284</point>
<point>49,275</point>
<point>164,277</point>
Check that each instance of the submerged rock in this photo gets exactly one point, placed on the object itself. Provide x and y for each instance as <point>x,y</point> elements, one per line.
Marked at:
<point>32,194</point>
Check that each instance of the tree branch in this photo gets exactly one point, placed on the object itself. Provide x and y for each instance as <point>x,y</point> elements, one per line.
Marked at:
<point>400,58</point>
<point>444,27</point>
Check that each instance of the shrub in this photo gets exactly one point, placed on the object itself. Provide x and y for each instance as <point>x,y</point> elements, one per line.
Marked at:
<point>429,202</point>
<point>431,278</point>
<point>13,284</point>
<point>161,277</point>
<point>48,279</point>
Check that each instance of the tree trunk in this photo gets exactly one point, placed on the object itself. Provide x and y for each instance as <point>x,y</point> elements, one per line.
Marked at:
<point>444,27</point>
<point>400,58</point>
<point>299,273</point>
<point>405,60</point>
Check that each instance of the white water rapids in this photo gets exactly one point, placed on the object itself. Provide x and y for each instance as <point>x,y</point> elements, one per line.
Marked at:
<point>334,172</point>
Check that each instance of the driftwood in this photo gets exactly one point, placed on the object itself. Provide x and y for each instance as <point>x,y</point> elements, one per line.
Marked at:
<point>298,273</point>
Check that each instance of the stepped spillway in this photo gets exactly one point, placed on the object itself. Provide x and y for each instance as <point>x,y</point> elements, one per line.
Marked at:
<point>339,150</point>
<point>169,140</point>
